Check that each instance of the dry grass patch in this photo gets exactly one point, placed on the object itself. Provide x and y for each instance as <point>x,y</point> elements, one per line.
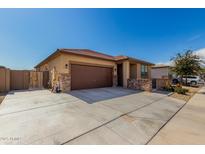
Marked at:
<point>192,91</point>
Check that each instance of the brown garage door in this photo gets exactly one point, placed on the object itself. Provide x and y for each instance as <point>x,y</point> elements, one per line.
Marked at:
<point>86,77</point>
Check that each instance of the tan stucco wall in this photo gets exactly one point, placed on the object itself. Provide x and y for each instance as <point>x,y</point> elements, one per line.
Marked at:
<point>138,71</point>
<point>133,71</point>
<point>60,62</point>
<point>126,72</point>
<point>50,65</point>
<point>149,72</point>
<point>66,59</point>
<point>56,62</point>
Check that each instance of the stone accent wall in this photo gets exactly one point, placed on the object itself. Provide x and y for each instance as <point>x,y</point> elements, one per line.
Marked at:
<point>65,82</point>
<point>140,84</point>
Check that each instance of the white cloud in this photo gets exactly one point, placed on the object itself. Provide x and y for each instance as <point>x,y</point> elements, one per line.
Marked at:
<point>169,63</point>
<point>201,53</point>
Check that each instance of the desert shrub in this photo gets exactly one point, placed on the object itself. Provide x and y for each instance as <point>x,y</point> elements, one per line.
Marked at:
<point>178,85</point>
<point>180,90</point>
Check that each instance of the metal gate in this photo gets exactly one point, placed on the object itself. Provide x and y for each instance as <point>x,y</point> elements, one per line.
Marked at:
<point>19,80</point>
<point>4,79</point>
<point>46,79</point>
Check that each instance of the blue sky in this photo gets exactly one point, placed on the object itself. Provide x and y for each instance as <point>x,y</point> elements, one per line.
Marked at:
<point>27,36</point>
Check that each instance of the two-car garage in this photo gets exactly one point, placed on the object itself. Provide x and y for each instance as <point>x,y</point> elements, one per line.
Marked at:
<point>87,76</point>
<point>76,69</point>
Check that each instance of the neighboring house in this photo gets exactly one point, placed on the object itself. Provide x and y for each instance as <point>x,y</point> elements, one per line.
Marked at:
<point>162,72</point>
<point>161,76</point>
<point>83,69</point>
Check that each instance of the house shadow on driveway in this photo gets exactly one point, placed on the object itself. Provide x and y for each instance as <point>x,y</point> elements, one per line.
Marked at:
<point>100,94</point>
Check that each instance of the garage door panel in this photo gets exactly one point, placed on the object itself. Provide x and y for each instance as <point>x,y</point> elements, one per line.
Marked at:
<point>86,77</point>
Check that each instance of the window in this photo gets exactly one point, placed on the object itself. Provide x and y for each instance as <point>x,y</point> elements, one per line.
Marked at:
<point>144,71</point>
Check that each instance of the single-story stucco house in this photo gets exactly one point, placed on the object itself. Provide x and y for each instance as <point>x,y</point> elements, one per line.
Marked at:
<point>78,69</point>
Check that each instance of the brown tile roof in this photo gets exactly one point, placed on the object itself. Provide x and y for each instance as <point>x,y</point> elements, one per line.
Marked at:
<point>88,53</point>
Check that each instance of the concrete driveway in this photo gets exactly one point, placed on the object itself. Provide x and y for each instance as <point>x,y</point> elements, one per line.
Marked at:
<point>96,116</point>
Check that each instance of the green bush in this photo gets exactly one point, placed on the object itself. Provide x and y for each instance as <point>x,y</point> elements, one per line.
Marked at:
<point>169,88</point>
<point>180,90</point>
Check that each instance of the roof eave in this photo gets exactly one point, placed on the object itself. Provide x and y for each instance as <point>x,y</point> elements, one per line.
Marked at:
<point>79,54</point>
<point>58,51</point>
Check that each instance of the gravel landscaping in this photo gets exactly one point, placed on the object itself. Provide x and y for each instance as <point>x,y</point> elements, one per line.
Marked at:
<point>192,92</point>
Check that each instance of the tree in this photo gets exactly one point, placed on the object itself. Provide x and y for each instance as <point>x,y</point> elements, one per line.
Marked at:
<point>186,64</point>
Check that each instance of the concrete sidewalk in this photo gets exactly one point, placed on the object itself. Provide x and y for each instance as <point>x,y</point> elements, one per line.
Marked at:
<point>188,126</point>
